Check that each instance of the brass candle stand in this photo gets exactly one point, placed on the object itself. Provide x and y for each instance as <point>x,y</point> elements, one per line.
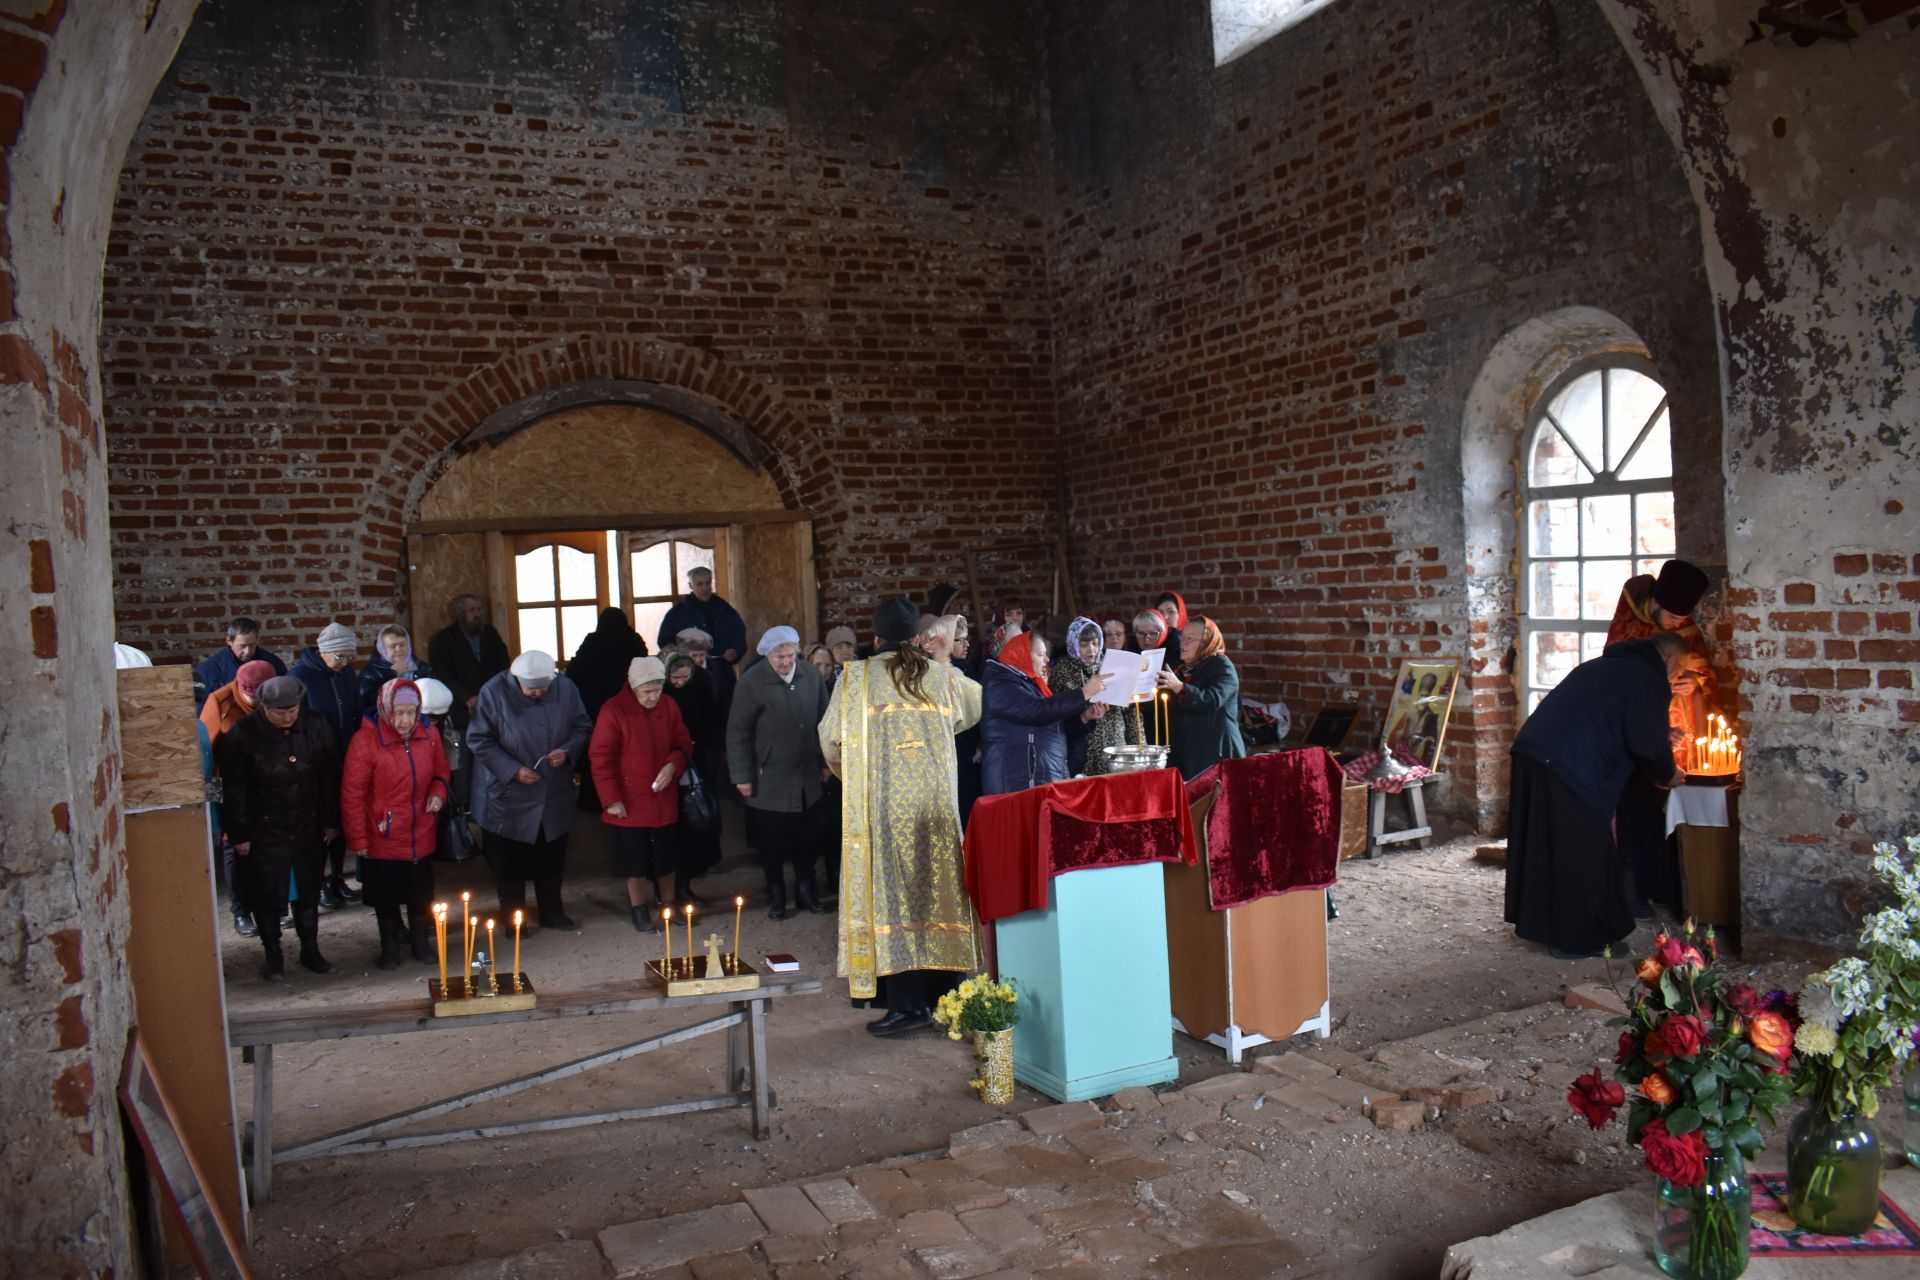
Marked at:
<point>704,975</point>
<point>500,993</point>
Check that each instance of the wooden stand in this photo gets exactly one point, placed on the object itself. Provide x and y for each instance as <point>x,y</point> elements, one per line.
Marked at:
<point>1710,871</point>
<point>689,979</point>
<point>1250,974</point>
<point>1420,829</point>
<point>464,997</point>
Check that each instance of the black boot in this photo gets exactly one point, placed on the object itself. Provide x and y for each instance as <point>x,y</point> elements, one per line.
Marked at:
<point>267,925</point>
<point>777,899</point>
<point>389,942</point>
<point>306,923</point>
<point>341,891</point>
<point>804,891</point>
<point>328,898</point>
<point>643,921</point>
<point>420,925</point>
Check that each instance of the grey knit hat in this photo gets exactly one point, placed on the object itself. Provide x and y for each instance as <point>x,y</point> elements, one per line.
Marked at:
<point>335,638</point>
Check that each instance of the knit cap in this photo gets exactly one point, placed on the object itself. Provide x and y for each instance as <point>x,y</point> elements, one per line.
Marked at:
<point>335,638</point>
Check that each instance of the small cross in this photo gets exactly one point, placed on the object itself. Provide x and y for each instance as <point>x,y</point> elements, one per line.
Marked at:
<point>715,969</point>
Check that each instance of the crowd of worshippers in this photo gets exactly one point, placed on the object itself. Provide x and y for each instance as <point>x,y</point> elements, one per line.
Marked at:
<point>326,771</point>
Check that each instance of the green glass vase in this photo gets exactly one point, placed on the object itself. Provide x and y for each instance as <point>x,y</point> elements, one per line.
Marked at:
<point>1833,1172</point>
<point>1700,1233</point>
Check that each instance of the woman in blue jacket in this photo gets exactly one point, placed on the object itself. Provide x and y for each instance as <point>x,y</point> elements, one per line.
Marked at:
<point>333,694</point>
<point>1024,724</point>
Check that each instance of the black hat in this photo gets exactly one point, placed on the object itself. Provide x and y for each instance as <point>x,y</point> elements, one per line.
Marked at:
<point>896,620</point>
<point>1679,587</point>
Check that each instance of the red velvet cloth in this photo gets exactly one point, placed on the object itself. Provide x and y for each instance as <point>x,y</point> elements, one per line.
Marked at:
<point>1274,826</point>
<point>1016,843</point>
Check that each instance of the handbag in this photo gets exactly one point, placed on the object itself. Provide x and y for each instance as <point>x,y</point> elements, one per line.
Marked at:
<point>459,844</point>
<point>697,807</point>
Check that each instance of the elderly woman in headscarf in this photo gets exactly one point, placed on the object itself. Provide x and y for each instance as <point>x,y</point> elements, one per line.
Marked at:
<point>1203,701</point>
<point>392,789</point>
<point>773,754</point>
<point>224,708</point>
<point>528,734</point>
<point>1024,723</point>
<point>392,656</point>
<point>640,746</point>
<point>1086,644</point>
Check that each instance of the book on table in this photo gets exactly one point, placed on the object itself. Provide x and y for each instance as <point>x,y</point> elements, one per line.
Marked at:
<point>782,963</point>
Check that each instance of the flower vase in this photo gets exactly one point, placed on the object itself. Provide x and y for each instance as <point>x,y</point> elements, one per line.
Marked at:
<point>1833,1172</point>
<point>993,1053</point>
<point>1700,1232</point>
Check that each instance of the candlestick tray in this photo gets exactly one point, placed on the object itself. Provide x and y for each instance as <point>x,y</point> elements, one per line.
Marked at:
<point>1713,779</point>
<point>507,993</point>
<point>687,979</point>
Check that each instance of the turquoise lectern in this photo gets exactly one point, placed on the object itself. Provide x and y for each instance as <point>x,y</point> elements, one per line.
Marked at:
<point>1096,1005</point>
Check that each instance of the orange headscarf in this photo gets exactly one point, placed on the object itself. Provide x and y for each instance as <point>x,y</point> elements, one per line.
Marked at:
<point>1018,654</point>
<point>1211,641</point>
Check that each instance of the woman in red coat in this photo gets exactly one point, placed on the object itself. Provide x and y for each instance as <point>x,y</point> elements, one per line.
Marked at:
<point>393,785</point>
<point>640,745</point>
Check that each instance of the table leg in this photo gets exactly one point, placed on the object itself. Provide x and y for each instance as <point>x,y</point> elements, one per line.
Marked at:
<point>1415,798</point>
<point>1377,822</point>
<point>757,1047</point>
<point>737,1046</point>
<point>262,1123</point>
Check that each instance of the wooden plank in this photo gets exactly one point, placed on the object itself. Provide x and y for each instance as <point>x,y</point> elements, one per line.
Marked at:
<point>398,1017</point>
<point>1279,962</point>
<point>622,520</point>
<point>545,1124</point>
<point>179,998</point>
<point>159,743</point>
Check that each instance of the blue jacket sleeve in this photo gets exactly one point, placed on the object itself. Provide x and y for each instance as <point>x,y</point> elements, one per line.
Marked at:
<point>1012,698</point>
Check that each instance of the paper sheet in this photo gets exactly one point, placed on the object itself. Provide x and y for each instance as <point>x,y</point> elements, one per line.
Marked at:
<point>1131,677</point>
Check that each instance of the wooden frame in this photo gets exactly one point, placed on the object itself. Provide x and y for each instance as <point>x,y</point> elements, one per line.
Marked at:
<point>588,542</point>
<point>216,1249</point>
<point>1331,726</point>
<point>1421,707</point>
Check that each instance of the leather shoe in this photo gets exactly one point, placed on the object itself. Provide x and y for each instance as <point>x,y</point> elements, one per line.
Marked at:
<point>559,922</point>
<point>899,1022</point>
<point>328,898</point>
<point>243,925</point>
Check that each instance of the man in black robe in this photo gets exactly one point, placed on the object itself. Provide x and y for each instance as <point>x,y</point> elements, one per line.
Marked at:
<point>1566,876</point>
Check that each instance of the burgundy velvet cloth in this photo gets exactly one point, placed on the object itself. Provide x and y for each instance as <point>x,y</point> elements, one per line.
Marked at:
<point>1016,843</point>
<point>1274,826</point>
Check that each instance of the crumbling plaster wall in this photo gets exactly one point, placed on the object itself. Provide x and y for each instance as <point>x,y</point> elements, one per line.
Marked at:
<point>1803,165</point>
<point>74,80</point>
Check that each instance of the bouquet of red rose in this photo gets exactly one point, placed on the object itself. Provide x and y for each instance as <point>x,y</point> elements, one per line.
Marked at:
<point>1703,1058</point>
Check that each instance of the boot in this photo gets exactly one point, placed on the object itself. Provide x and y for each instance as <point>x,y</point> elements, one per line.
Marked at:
<point>643,921</point>
<point>552,915</point>
<point>328,898</point>
<point>338,883</point>
<point>777,899</point>
<point>266,924</point>
<point>803,890</point>
<point>389,943</point>
<point>420,925</point>
<point>306,924</point>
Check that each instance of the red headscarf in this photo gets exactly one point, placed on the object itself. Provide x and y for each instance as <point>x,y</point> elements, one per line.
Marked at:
<point>1180,604</point>
<point>1018,654</point>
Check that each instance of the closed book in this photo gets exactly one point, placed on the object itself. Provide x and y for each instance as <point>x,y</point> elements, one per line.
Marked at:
<point>782,963</point>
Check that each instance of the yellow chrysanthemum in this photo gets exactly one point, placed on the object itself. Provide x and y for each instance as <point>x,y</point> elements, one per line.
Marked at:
<point>1814,1039</point>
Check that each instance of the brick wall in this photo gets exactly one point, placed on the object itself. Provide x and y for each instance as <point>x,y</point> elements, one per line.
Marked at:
<point>343,239</point>
<point>1277,281</point>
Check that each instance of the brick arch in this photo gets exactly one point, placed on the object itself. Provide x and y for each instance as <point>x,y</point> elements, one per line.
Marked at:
<point>791,453</point>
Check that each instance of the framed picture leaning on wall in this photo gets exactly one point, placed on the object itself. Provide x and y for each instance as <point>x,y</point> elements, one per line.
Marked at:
<point>1421,705</point>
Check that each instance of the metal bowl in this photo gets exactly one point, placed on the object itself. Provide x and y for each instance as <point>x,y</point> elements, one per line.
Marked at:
<point>1134,759</point>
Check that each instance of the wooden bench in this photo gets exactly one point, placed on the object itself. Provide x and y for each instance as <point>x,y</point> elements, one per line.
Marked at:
<point>744,1020</point>
<point>1419,830</point>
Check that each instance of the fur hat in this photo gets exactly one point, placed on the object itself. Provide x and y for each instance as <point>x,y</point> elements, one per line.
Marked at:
<point>1679,587</point>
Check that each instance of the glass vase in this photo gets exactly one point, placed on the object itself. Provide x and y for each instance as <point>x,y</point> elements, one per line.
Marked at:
<point>993,1052</point>
<point>1833,1172</point>
<point>1700,1233</point>
<point>1910,1095</point>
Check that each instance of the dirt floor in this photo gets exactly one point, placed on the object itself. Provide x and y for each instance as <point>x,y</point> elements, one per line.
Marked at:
<point>1419,954</point>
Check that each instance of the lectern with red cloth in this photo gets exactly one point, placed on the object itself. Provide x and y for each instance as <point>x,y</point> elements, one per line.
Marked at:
<point>1069,877</point>
<point>1247,927</point>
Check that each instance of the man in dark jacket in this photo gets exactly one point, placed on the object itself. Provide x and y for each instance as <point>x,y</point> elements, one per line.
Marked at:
<point>280,778</point>
<point>701,608</point>
<point>465,655</point>
<point>242,647</point>
<point>1566,879</point>
<point>333,694</point>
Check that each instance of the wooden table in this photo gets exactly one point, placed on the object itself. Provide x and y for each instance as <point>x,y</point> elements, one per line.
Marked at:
<point>1420,829</point>
<point>744,1021</point>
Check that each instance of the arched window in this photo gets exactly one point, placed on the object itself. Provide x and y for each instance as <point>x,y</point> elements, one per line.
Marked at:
<point>1598,481</point>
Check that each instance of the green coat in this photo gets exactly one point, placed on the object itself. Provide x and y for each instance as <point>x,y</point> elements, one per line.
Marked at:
<point>1206,718</point>
<point>773,736</point>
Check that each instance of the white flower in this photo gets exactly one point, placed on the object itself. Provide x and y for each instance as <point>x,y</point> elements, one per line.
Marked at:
<point>1852,985</point>
<point>1895,928</point>
<point>1816,1005</point>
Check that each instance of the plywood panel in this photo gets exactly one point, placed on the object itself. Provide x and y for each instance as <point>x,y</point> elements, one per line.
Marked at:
<point>1196,943</point>
<point>440,566</point>
<point>599,460</point>
<point>1279,961</point>
<point>770,586</point>
<point>173,958</point>
<point>159,745</point>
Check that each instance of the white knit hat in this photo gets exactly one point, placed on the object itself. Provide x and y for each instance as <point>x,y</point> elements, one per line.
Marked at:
<point>335,638</point>
<point>534,669</point>
<point>646,671</point>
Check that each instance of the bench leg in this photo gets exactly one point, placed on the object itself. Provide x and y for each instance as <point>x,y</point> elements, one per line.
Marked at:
<point>1377,822</point>
<point>737,1046</point>
<point>1419,803</point>
<point>757,1042</point>
<point>262,1152</point>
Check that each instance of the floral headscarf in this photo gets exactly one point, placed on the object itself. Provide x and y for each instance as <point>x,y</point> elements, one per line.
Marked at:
<point>1210,644</point>
<point>398,692</point>
<point>1078,627</point>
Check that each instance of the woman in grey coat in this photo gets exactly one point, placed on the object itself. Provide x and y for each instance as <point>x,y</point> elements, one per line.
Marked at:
<point>528,734</point>
<point>773,753</point>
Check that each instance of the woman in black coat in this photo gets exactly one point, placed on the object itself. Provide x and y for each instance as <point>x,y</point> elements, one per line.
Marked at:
<point>1203,707</point>
<point>599,670</point>
<point>1024,723</point>
<point>687,686</point>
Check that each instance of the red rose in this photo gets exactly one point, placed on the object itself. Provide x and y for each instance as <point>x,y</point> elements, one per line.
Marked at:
<point>1675,953</point>
<point>1596,1099</point>
<point>1629,1045</point>
<point>1681,1161</point>
<point>1745,1000</point>
<point>1682,1034</point>
<point>1656,1046</point>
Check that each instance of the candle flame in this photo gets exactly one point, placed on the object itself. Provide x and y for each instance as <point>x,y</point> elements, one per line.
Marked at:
<point>516,919</point>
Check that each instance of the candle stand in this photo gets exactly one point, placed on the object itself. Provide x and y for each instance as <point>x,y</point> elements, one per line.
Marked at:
<point>690,978</point>
<point>503,993</point>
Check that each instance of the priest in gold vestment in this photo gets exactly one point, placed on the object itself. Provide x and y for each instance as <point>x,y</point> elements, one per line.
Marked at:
<point>906,928</point>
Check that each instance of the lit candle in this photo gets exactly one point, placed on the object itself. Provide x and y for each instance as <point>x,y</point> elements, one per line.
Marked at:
<point>466,939</point>
<point>689,939</point>
<point>440,932</point>
<point>517,915</point>
<point>738,902</point>
<point>1166,722</point>
<point>666,920</point>
<point>492,966</point>
<point>1699,755</point>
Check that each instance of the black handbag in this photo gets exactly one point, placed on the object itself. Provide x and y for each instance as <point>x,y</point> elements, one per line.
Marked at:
<point>697,807</point>
<point>459,844</point>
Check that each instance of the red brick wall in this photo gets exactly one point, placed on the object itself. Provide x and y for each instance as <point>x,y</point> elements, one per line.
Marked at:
<point>1277,281</point>
<point>327,265</point>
